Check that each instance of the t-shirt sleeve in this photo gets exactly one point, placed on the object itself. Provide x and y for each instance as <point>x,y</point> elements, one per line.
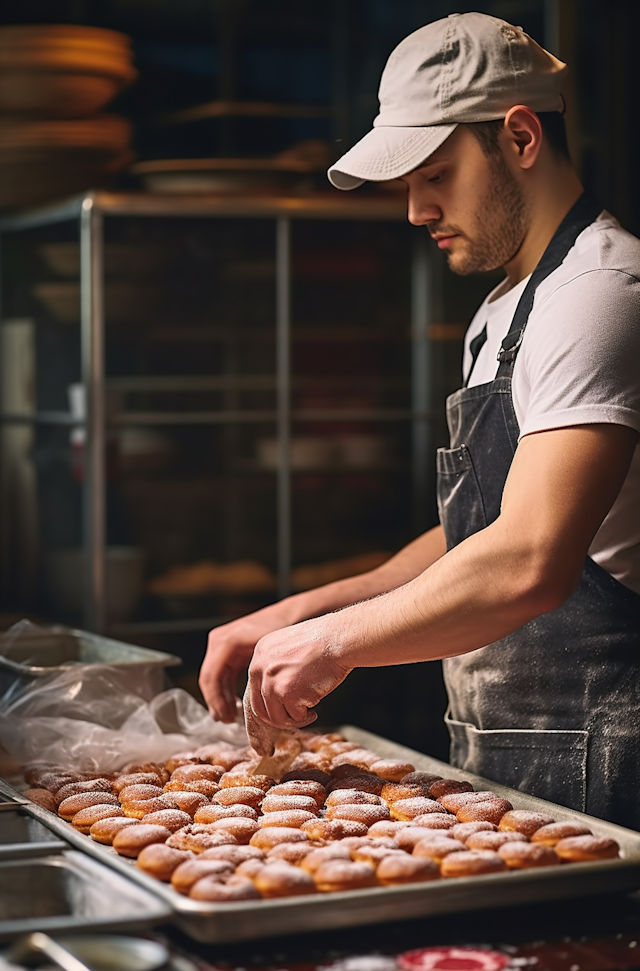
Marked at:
<point>580,358</point>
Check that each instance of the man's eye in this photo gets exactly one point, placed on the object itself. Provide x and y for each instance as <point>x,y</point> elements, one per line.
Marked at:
<point>437,178</point>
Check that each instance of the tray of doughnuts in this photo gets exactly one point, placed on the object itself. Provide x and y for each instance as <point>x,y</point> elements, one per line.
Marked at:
<point>359,830</point>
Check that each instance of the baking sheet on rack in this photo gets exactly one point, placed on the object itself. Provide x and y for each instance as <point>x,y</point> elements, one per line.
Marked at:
<point>224,923</point>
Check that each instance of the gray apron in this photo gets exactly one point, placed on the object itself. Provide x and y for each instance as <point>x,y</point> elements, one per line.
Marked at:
<point>552,709</point>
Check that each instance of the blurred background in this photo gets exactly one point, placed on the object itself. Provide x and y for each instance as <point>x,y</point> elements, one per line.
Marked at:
<point>205,127</point>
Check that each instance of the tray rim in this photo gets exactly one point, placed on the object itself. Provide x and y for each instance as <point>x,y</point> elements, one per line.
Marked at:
<point>246,920</point>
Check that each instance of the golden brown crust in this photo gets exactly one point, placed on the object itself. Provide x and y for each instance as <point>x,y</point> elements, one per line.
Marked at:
<point>303,787</point>
<point>336,875</point>
<point>182,758</point>
<point>212,812</point>
<point>435,821</point>
<point>392,769</point>
<point>266,839</point>
<point>199,838</point>
<point>197,773</point>
<point>407,809</point>
<point>73,804</point>
<point>438,847</point>
<point>160,860</point>
<point>277,803</point>
<point>213,890</point>
<point>132,839</point>
<point>293,818</point>
<point>239,826</point>
<point>393,791</point>
<point>462,831</point>
<point>374,854</point>
<point>454,801</point>
<point>385,827</point>
<point>280,879</point>
<point>580,849</point>
<point>249,795</point>
<point>443,787</point>
<point>519,855</point>
<point>233,854</point>
<point>234,779</point>
<point>42,797</point>
<point>352,797</point>
<point>138,808</point>
<point>319,855</point>
<point>137,793</point>
<point>187,802</point>
<point>472,863</point>
<point>75,788</point>
<point>136,779</point>
<point>360,813</point>
<point>552,833</point>
<point>85,818</point>
<point>487,812</point>
<point>173,819</point>
<point>523,821</point>
<point>204,786</point>
<point>292,853</point>
<point>402,868</point>
<point>493,841</point>
<point>105,829</point>
<point>187,873</point>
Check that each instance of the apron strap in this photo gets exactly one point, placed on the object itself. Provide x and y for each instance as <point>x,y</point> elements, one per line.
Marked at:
<point>582,214</point>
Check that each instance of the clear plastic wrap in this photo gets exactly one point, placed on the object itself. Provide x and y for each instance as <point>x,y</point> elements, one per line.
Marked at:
<point>97,717</point>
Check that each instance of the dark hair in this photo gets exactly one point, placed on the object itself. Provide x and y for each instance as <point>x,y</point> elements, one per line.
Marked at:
<point>553,129</point>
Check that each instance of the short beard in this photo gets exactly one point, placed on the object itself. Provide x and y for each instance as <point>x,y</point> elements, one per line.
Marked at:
<point>501,221</point>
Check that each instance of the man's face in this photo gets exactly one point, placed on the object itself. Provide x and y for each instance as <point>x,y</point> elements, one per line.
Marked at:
<point>471,204</point>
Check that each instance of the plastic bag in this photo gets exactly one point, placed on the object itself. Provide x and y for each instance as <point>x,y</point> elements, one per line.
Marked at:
<point>96,717</point>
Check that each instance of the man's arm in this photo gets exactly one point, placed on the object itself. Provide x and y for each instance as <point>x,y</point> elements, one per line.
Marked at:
<point>561,485</point>
<point>230,646</point>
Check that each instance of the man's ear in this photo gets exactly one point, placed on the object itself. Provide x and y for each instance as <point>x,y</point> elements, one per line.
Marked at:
<point>523,135</point>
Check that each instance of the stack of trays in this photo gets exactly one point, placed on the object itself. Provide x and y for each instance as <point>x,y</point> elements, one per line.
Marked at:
<point>54,81</point>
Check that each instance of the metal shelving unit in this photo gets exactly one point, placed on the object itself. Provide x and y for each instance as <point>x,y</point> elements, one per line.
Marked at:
<point>89,212</point>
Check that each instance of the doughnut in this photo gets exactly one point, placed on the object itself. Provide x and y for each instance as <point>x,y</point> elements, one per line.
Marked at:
<point>136,793</point>
<point>249,795</point>
<point>213,889</point>
<point>105,829</point>
<point>303,787</point>
<point>132,839</point>
<point>338,748</point>
<point>462,831</point>
<point>53,783</point>
<point>318,742</point>
<point>437,847</point>
<point>135,767</point>
<point>402,868</point>
<point>239,826</point>
<point>315,857</point>
<point>222,754</point>
<point>442,787</point>
<point>235,779</point>
<point>523,821</point>
<point>404,809</point>
<point>188,872</point>
<point>385,827</point>
<point>159,860</point>
<point>82,800</point>
<point>311,760</point>
<point>280,879</point>
<point>204,786</point>
<point>333,829</point>
<point>400,790</point>
<point>488,812</point>
<point>493,841</point>
<point>348,771</point>
<point>198,838</point>
<point>85,818</point>
<point>211,813</point>
<point>277,803</point>
<point>582,848</point>
<point>249,868</point>
<point>409,836</point>
<point>173,819</point>
<point>141,807</point>
<point>392,769</point>
<point>289,852</point>
<point>361,813</point>
<point>358,757</point>
<point>341,797</point>
<point>420,779</point>
<point>290,817</point>
<point>181,758</point>
<point>521,855</point>
<point>552,833</point>
<point>75,788</point>
<point>42,797</point>
<point>307,775</point>
<point>435,821</point>
<point>187,802</point>
<point>335,875</point>
<point>265,839</point>
<point>454,801</point>
<point>197,773</point>
<point>137,779</point>
<point>233,854</point>
<point>374,854</point>
<point>472,863</point>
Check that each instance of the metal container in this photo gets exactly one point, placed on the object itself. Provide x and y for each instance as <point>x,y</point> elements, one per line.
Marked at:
<point>70,892</point>
<point>35,652</point>
<point>21,835</point>
<point>223,923</point>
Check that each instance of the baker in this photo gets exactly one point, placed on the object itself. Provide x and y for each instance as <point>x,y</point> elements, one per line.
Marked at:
<point>529,588</point>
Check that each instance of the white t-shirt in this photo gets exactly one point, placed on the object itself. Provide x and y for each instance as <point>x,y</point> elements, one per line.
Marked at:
<point>579,363</point>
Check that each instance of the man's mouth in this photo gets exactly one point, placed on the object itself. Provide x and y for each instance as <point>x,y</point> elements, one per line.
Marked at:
<point>443,240</point>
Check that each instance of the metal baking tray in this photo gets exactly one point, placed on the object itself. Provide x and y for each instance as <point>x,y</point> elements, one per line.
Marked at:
<point>21,835</point>
<point>70,892</point>
<point>223,923</point>
<point>40,651</point>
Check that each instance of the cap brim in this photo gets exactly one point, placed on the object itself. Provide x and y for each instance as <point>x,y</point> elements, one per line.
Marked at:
<point>387,153</point>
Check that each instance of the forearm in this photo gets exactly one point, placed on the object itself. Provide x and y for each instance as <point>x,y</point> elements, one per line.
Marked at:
<point>485,588</point>
<point>410,562</point>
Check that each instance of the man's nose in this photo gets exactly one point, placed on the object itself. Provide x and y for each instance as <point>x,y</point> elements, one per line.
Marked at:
<point>420,211</point>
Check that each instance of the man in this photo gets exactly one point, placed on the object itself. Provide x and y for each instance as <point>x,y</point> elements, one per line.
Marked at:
<point>530,587</point>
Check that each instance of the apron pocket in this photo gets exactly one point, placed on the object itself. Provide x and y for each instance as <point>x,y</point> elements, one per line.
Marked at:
<point>549,764</point>
<point>460,504</point>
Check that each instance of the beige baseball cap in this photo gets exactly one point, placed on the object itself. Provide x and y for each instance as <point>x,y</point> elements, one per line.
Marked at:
<point>465,68</point>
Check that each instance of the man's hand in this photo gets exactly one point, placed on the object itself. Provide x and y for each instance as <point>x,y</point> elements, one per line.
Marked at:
<point>293,669</point>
